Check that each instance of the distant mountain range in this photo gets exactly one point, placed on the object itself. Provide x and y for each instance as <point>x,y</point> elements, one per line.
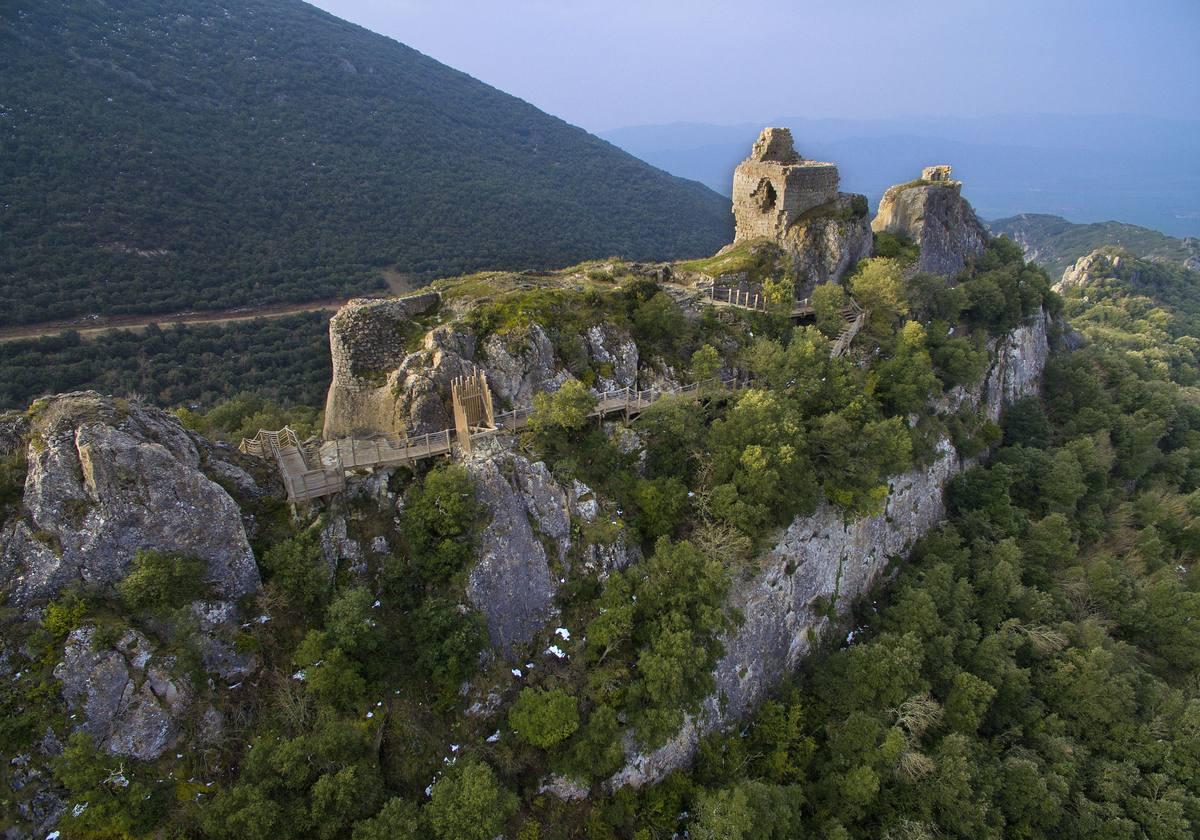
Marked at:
<point>162,155</point>
<point>1143,170</point>
<point>1056,243</point>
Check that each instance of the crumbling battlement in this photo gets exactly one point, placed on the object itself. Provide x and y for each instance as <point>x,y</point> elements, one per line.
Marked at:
<point>774,186</point>
<point>363,334</point>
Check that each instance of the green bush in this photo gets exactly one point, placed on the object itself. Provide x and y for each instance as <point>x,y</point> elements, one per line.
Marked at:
<point>439,522</point>
<point>12,481</point>
<point>468,803</point>
<point>544,717</point>
<point>159,580</point>
<point>563,411</point>
<point>296,566</point>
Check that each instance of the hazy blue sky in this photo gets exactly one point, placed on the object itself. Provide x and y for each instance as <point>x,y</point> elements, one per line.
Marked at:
<point>608,63</point>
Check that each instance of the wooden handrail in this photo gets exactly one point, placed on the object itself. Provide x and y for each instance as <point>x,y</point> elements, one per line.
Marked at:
<point>323,480</point>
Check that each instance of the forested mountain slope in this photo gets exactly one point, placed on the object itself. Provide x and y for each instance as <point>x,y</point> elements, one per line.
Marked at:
<point>1055,243</point>
<point>158,156</point>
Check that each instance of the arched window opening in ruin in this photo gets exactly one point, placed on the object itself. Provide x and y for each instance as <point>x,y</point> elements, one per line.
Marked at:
<point>764,194</point>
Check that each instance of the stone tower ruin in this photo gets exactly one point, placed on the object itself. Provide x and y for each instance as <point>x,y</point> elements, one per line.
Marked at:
<point>775,186</point>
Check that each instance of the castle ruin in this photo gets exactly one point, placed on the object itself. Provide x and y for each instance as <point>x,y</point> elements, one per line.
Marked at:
<point>938,173</point>
<point>774,187</point>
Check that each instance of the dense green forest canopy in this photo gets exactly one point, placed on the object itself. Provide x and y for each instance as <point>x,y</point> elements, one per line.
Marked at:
<point>285,360</point>
<point>1147,308</point>
<point>973,684</point>
<point>161,156</point>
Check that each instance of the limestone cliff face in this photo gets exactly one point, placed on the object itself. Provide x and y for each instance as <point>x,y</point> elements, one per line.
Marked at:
<point>511,582</point>
<point>820,559</point>
<point>127,697</point>
<point>107,478</point>
<point>1099,264</point>
<point>826,244</point>
<point>523,551</point>
<point>933,214</point>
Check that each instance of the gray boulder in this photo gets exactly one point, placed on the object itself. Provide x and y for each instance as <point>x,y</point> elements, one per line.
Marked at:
<point>511,582</point>
<point>105,479</point>
<point>125,697</point>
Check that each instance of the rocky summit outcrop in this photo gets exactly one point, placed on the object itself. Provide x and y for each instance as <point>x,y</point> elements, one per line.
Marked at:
<point>1099,264</point>
<point>781,197</point>
<point>822,564</point>
<point>106,478</point>
<point>932,213</point>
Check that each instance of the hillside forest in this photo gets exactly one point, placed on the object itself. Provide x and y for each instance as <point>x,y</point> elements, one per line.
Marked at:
<point>1030,671</point>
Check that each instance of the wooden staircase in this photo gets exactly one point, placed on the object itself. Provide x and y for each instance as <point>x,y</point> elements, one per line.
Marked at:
<point>855,317</point>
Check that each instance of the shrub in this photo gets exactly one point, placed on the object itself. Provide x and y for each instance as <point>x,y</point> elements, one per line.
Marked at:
<point>439,521</point>
<point>565,410</point>
<point>544,717</point>
<point>469,804</point>
<point>161,580</point>
<point>828,300</point>
<point>12,481</point>
<point>297,568</point>
<point>64,615</point>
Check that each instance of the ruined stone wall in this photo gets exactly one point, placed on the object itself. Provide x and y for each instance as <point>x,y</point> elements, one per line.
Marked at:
<point>774,186</point>
<point>768,197</point>
<point>366,340</point>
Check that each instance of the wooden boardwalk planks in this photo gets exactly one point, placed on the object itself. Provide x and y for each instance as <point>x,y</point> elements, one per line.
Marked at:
<point>305,481</point>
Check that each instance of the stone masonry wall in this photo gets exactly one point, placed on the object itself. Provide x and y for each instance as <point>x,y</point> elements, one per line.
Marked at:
<point>366,342</point>
<point>774,186</point>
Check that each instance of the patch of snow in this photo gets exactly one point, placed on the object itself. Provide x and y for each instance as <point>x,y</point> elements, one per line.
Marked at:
<point>563,633</point>
<point>516,672</point>
<point>557,651</point>
<point>494,737</point>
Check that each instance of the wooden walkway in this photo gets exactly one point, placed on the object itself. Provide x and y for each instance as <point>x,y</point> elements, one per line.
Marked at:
<point>754,301</point>
<point>311,473</point>
<point>853,314</point>
<point>856,318</point>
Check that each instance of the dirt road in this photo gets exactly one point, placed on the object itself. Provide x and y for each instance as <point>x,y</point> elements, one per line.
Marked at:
<point>91,328</point>
<point>397,284</point>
